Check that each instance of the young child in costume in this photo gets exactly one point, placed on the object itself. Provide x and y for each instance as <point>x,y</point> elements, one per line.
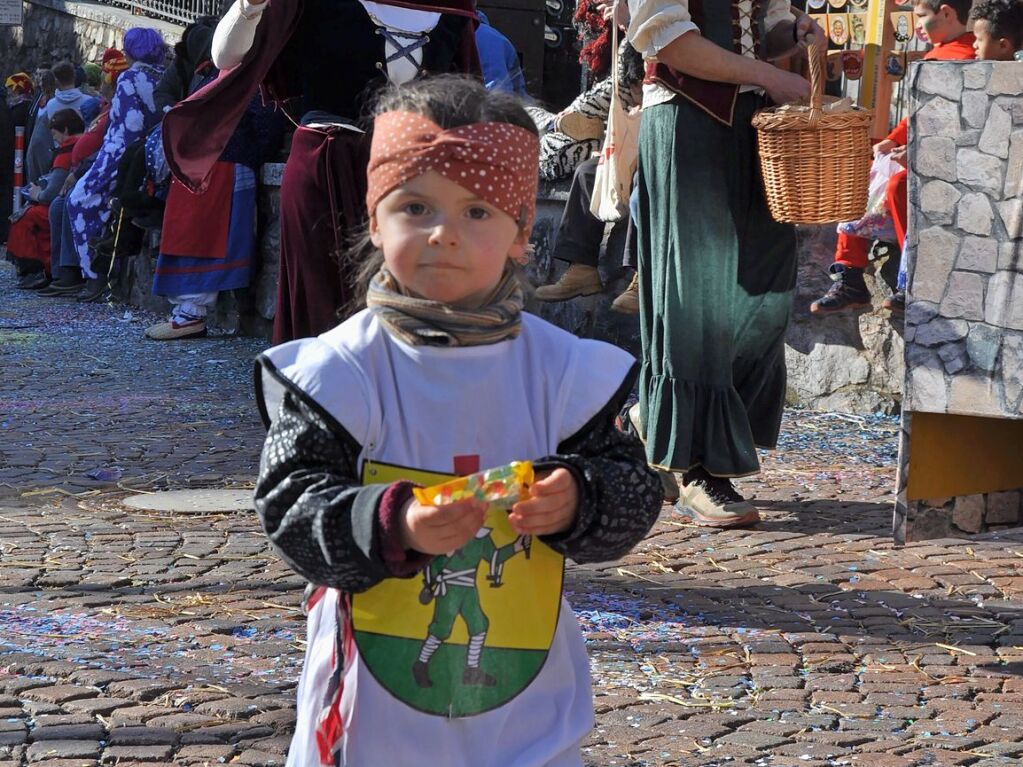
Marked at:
<point>438,634</point>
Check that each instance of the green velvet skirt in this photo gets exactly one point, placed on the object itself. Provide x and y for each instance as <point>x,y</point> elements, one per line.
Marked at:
<point>716,278</point>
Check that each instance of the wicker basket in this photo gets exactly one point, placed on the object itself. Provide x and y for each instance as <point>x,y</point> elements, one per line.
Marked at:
<point>815,164</point>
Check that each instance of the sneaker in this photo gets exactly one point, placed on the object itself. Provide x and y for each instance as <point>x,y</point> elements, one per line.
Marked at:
<point>714,502</point>
<point>173,331</point>
<point>669,485</point>
<point>474,675</point>
<point>96,290</point>
<point>578,280</point>
<point>628,301</point>
<point>580,127</point>
<point>849,292</point>
<point>896,303</point>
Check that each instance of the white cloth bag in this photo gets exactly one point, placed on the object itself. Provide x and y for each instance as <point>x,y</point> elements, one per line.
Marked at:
<point>620,153</point>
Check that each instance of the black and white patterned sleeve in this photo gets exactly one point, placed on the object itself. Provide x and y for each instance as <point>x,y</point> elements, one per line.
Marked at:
<point>595,103</point>
<point>315,511</point>
<point>620,496</point>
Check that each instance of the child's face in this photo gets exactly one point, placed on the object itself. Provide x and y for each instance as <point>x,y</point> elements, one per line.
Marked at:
<point>442,242</point>
<point>986,46</point>
<point>938,26</point>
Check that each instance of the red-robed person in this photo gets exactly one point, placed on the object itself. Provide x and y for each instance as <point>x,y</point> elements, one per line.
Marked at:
<point>943,22</point>
<point>320,60</point>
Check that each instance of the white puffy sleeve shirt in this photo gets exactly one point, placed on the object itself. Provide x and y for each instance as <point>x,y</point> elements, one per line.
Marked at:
<point>657,23</point>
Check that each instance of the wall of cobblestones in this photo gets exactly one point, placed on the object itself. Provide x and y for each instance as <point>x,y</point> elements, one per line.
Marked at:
<point>964,318</point>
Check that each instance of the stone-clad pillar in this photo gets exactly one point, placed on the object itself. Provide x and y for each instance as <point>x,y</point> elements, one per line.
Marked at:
<point>961,465</point>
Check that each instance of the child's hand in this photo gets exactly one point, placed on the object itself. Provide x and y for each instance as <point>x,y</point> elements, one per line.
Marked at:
<point>441,529</point>
<point>884,147</point>
<point>551,508</point>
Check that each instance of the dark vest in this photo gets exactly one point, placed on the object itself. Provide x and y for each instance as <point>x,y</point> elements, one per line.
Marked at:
<point>338,55</point>
<point>719,22</point>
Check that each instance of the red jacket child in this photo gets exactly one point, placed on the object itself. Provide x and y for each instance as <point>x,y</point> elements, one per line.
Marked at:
<point>851,253</point>
<point>960,49</point>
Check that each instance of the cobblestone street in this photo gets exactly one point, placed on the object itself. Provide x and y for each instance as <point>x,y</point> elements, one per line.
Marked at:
<point>144,638</point>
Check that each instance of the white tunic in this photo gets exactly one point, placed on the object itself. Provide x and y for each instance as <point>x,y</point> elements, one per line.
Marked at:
<point>419,406</point>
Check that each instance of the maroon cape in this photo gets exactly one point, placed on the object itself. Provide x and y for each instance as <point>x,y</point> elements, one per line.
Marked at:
<point>197,129</point>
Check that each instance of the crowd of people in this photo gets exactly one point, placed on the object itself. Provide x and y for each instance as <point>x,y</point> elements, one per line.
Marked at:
<point>406,208</point>
<point>96,179</point>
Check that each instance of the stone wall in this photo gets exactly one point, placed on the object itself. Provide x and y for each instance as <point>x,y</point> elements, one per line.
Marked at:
<point>964,318</point>
<point>55,30</point>
<point>964,326</point>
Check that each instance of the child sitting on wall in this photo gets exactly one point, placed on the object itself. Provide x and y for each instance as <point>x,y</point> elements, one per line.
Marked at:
<point>943,22</point>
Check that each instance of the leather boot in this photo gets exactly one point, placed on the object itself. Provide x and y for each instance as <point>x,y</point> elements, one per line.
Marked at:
<point>848,292</point>
<point>578,280</point>
<point>628,301</point>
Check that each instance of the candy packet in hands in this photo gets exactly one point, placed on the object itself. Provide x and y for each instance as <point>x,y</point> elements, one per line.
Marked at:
<point>502,486</point>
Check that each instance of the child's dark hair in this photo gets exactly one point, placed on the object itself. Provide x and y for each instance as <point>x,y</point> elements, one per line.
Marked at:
<point>67,120</point>
<point>450,101</point>
<point>961,7</point>
<point>1004,17</point>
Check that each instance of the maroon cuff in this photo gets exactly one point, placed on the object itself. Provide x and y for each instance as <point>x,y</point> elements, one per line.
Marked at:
<point>399,561</point>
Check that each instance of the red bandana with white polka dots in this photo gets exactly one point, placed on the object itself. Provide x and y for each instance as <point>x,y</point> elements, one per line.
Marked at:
<point>497,161</point>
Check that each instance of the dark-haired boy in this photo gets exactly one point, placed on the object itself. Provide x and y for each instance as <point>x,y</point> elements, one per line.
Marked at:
<point>998,28</point>
<point>943,22</point>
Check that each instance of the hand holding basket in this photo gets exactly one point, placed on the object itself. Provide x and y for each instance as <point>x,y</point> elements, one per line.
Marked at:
<point>815,163</point>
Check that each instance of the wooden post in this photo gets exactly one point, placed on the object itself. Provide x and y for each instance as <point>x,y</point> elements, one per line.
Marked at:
<point>876,86</point>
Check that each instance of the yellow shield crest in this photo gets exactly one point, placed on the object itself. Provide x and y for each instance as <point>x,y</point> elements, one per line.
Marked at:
<point>474,630</point>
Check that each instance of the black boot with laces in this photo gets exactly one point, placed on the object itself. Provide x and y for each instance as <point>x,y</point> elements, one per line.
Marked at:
<point>847,293</point>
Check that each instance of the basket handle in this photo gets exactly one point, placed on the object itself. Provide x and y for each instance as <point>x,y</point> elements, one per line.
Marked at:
<point>815,53</point>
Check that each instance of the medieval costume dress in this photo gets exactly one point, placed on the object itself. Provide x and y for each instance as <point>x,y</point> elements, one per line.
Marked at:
<point>132,115</point>
<point>716,271</point>
<point>355,414</point>
<point>208,241</point>
<point>297,49</point>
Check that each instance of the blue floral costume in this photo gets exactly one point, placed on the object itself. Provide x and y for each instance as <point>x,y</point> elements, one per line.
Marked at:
<point>132,114</point>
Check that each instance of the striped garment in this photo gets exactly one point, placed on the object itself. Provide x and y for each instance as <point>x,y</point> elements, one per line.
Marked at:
<point>422,322</point>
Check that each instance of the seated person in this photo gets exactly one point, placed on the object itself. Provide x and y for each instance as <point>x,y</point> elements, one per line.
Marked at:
<point>64,258</point>
<point>580,235</point>
<point>29,238</point>
<point>943,22</point>
<point>577,132</point>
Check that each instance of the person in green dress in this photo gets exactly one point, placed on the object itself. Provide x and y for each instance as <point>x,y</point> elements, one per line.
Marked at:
<point>716,271</point>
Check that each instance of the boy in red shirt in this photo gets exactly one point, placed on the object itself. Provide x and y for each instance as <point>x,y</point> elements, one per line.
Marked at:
<point>943,22</point>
